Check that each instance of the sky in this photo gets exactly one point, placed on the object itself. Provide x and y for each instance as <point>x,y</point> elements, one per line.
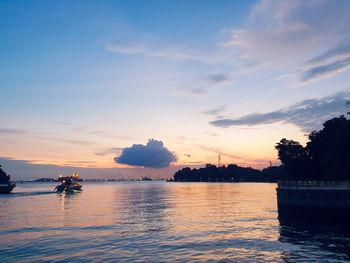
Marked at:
<point>131,88</point>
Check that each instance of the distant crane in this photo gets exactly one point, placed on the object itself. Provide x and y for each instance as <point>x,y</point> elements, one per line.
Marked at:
<point>270,163</point>
<point>219,160</point>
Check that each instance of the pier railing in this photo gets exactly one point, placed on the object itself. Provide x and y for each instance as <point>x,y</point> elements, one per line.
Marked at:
<point>314,184</point>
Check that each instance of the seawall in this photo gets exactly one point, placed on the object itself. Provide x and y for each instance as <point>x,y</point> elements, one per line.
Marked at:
<point>322,200</point>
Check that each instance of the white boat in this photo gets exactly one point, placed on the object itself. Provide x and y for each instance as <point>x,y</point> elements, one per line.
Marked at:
<point>69,184</point>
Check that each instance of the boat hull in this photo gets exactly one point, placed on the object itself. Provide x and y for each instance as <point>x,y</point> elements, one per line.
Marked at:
<point>7,188</point>
<point>69,189</point>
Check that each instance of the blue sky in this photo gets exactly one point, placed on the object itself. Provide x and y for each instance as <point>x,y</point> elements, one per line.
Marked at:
<point>82,80</point>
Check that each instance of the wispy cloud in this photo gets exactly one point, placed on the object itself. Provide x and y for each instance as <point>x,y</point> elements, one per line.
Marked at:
<point>99,132</point>
<point>219,151</point>
<point>66,140</point>
<point>178,52</point>
<point>308,114</point>
<point>108,151</point>
<point>339,52</point>
<point>213,134</point>
<point>79,163</point>
<point>216,111</point>
<point>237,159</point>
<point>79,129</point>
<point>12,131</point>
<point>204,84</point>
<point>217,77</point>
<point>42,136</point>
<point>110,134</point>
<point>65,123</point>
<point>285,34</point>
<point>76,142</point>
<point>326,70</point>
<point>327,64</point>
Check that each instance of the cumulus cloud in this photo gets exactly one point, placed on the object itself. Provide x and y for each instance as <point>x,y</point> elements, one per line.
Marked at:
<point>308,114</point>
<point>288,33</point>
<point>153,155</point>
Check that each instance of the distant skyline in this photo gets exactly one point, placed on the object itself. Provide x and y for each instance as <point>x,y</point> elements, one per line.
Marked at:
<point>81,81</point>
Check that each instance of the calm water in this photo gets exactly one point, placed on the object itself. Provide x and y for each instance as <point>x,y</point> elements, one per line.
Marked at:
<point>157,222</point>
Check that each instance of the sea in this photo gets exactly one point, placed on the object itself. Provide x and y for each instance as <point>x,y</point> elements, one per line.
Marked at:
<point>150,221</point>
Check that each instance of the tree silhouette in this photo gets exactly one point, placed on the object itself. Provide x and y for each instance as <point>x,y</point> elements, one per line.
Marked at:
<point>296,159</point>
<point>231,173</point>
<point>325,157</point>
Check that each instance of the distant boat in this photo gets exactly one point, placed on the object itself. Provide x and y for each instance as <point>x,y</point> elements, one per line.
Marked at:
<point>69,184</point>
<point>146,178</point>
<point>6,186</point>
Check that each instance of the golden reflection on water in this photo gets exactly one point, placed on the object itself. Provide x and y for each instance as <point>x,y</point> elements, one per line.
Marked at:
<point>147,221</point>
<point>220,206</point>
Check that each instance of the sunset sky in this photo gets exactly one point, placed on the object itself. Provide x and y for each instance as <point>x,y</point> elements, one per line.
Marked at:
<point>82,80</point>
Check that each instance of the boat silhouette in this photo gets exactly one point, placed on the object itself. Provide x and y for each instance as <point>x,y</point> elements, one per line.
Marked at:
<point>6,186</point>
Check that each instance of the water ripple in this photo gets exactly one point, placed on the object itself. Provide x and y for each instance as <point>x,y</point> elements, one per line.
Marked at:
<point>159,222</point>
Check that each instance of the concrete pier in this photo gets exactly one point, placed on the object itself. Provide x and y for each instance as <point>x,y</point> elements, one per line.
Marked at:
<point>321,199</point>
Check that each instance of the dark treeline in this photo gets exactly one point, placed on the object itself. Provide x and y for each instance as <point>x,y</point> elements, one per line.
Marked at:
<point>230,173</point>
<point>326,156</point>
